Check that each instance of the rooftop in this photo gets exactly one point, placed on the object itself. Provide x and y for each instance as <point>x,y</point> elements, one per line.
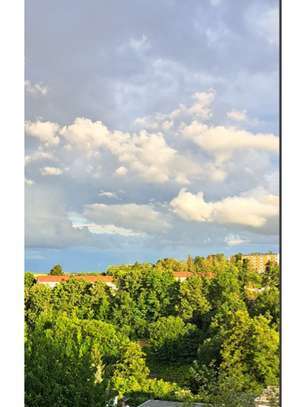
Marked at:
<point>106,279</point>
<point>58,279</point>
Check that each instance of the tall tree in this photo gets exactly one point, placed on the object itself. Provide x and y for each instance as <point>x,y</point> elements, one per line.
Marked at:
<point>56,270</point>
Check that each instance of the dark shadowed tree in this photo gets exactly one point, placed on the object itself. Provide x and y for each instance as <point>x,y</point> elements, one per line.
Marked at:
<point>56,270</point>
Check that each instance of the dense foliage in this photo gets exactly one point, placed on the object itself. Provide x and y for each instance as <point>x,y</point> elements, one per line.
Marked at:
<point>218,330</point>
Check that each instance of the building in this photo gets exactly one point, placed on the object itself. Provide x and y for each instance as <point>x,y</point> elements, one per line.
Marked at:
<point>259,261</point>
<point>51,281</point>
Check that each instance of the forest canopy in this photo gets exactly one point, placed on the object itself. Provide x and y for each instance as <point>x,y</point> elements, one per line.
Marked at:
<point>212,338</point>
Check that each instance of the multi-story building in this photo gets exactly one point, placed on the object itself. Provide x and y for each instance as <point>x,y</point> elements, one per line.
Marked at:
<point>259,261</point>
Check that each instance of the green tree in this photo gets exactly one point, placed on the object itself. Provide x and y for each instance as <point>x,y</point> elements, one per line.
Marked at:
<point>29,280</point>
<point>192,304</point>
<point>101,297</point>
<point>271,277</point>
<point>130,373</point>
<point>267,303</point>
<point>171,265</point>
<point>218,389</point>
<point>74,296</point>
<point>37,301</point>
<point>264,352</point>
<point>144,294</point>
<point>66,361</point>
<point>190,264</point>
<point>170,338</point>
<point>56,270</point>
<point>127,314</point>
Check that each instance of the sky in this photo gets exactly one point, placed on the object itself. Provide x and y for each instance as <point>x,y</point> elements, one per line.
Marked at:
<point>151,130</point>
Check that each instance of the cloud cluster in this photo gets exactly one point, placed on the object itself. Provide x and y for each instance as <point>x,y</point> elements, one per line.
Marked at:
<point>36,89</point>
<point>136,217</point>
<point>161,151</point>
<point>251,210</point>
<point>183,147</point>
<point>46,132</point>
<point>225,140</point>
<point>148,155</point>
<point>234,240</point>
<point>200,109</point>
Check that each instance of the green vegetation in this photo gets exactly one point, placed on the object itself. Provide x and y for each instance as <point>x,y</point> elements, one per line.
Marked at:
<point>56,270</point>
<point>213,338</point>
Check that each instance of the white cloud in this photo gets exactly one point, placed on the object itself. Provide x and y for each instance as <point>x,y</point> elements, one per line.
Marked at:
<point>146,154</point>
<point>161,155</point>
<point>51,171</point>
<point>35,88</point>
<point>121,171</point>
<point>38,156</point>
<point>107,194</point>
<point>234,240</point>
<point>85,134</point>
<point>202,106</point>
<point>139,218</point>
<point>252,209</point>
<point>221,139</point>
<point>200,109</point>
<point>46,132</point>
<point>191,207</point>
<point>140,44</point>
<point>80,222</point>
<point>108,230</point>
<point>239,116</point>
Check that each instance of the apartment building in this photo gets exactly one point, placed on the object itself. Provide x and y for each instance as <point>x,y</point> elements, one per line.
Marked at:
<point>259,261</point>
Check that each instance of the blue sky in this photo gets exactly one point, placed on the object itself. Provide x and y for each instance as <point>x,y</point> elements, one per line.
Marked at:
<point>151,130</point>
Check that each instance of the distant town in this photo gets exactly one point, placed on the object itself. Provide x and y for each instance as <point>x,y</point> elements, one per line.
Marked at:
<point>256,261</point>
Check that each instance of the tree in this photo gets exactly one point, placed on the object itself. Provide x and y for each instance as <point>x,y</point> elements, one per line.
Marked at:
<point>29,280</point>
<point>192,303</point>
<point>74,296</point>
<point>144,294</point>
<point>66,361</point>
<point>37,301</point>
<point>190,264</point>
<point>271,277</point>
<point>130,373</point>
<point>264,352</point>
<point>267,303</point>
<point>244,349</point>
<point>170,338</point>
<point>218,389</point>
<point>126,313</point>
<point>171,265</point>
<point>56,270</point>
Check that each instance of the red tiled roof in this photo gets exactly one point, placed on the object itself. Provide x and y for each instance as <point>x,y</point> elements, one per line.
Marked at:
<point>105,279</point>
<point>57,279</point>
<point>179,274</point>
